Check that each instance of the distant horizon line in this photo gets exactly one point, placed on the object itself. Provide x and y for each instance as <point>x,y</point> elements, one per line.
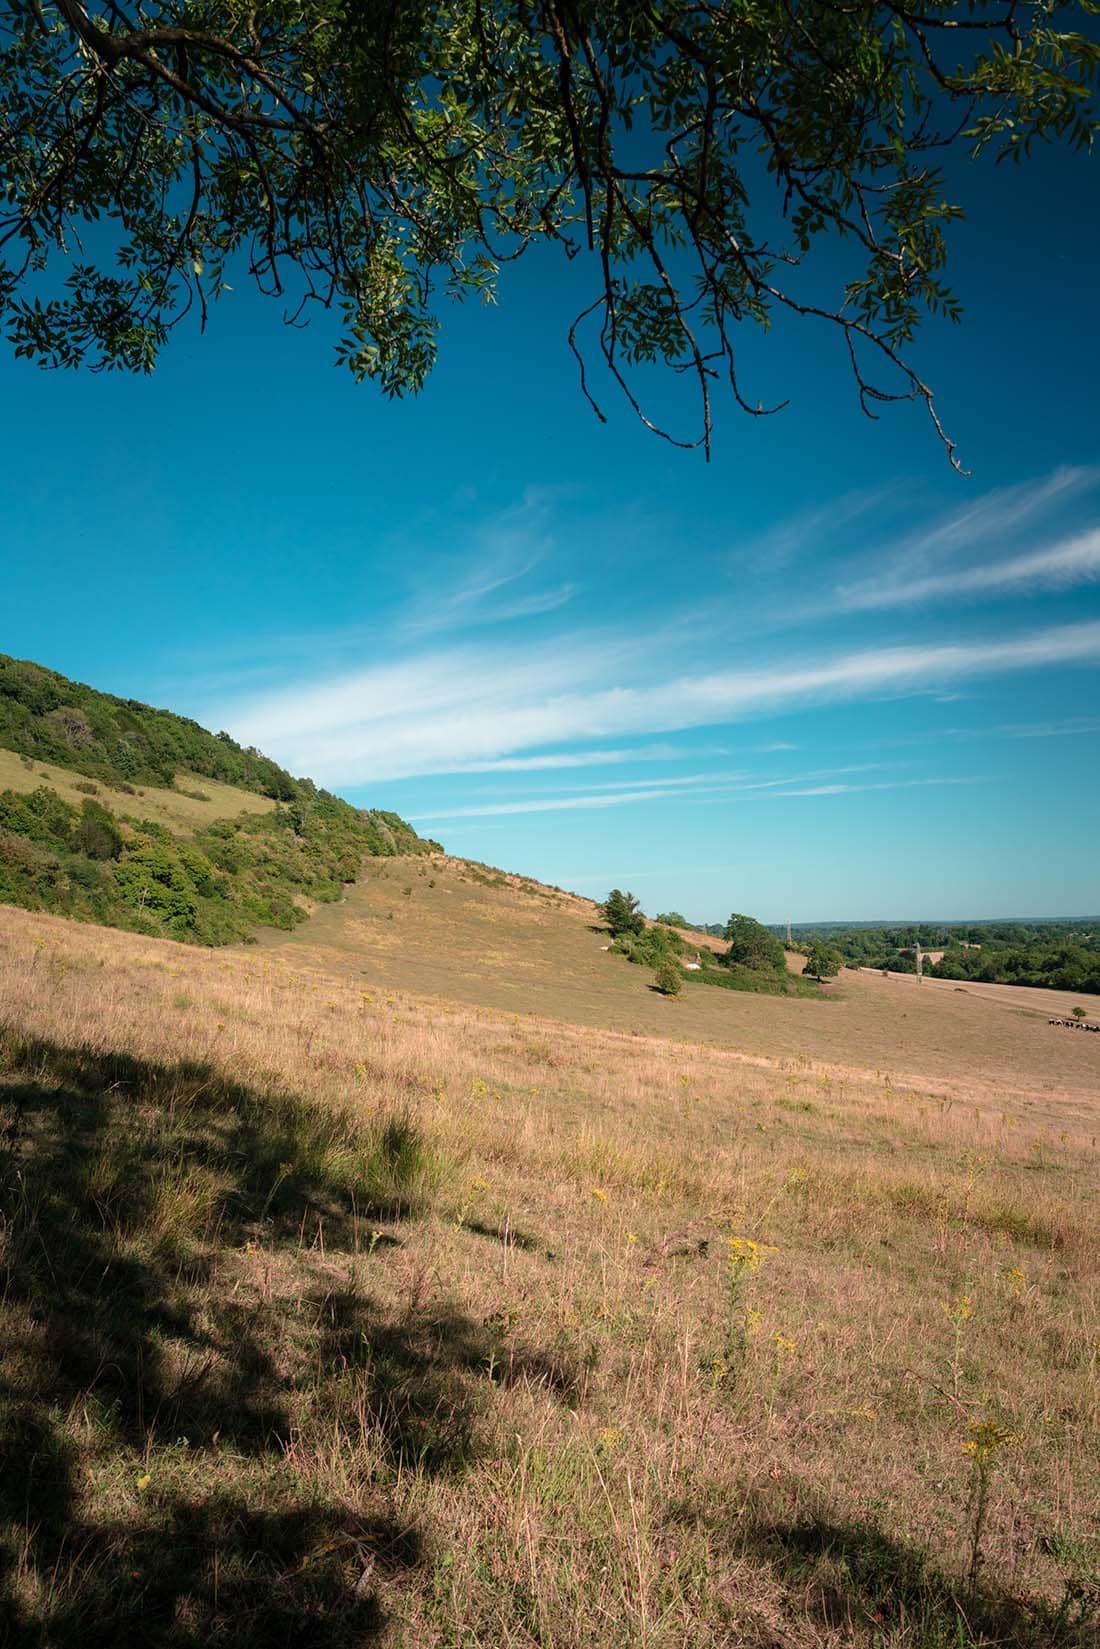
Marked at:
<point>923,921</point>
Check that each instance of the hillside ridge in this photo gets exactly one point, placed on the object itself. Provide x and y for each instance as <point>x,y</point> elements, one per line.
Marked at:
<point>100,819</point>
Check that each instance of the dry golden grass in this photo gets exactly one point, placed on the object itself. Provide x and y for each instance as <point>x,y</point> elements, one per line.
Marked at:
<point>446,928</point>
<point>179,813</point>
<point>556,1406</point>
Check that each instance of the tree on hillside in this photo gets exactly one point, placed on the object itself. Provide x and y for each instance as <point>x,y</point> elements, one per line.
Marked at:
<point>822,962</point>
<point>622,913</point>
<point>377,159</point>
<point>673,919</point>
<point>669,978</point>
<point>752,946</point>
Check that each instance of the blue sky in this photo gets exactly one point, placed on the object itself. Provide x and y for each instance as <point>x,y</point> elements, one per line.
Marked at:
<point>822,677</point>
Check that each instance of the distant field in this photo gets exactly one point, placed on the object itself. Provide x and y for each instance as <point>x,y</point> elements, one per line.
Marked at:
<point>446,928</point>
<point>181,814</point>
<point>1056,1004</point>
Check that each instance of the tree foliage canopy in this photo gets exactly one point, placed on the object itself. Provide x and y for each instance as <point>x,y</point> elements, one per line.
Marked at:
<point>375,158</point>
<point>752,946</point>
<point>622,913</point>
<point>822,962</point>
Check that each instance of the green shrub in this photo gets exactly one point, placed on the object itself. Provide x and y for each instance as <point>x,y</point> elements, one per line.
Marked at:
<point>650,947</point>
<point>96,835</point>
<point>822,962</point>
<point>669,978</point>
<point>752,946</point>
<point>153,879</point>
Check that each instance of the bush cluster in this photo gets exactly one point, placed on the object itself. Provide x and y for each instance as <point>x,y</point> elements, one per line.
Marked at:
<point>229,879</point>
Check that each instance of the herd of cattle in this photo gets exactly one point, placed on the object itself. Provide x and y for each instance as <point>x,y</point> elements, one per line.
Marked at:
<point>1074,1024</point>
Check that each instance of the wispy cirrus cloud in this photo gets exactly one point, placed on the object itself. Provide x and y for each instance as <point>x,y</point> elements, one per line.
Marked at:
<point>1075,727</point>
<point>1072,561</point>
<point>484,578</point>
<point>997,515</point>
<point>440,712</point>
<point>924,565</point>
<point>665,792</point>
<point>562,759</point>
<point>805,532</point>
<point>884,784</point>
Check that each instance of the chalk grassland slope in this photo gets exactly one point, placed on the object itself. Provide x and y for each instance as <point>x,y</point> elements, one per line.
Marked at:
<point>331,1313</point>
<point>114,812</point>
<point>193,801</point>
<point>452,929</point>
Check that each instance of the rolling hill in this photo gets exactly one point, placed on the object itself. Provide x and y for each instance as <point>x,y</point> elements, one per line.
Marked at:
<point>115,812</point>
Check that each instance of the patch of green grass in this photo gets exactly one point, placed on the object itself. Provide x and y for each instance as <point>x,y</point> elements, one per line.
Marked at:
<point>758,981</point>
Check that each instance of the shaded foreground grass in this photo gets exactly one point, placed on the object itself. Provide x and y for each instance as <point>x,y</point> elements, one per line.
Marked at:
<point>147,1400</point>
<point>335,1317</point>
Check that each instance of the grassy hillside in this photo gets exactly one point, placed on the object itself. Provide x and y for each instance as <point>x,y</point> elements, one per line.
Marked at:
<point>447,928</point>
<point>333,1314</point>
<point>114,812</point>
<point>193,800</point>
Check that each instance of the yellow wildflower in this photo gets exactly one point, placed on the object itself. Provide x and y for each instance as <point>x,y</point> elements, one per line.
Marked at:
<point>748,1255</point>
<point>600,1196</point>
<point>987,1438</point>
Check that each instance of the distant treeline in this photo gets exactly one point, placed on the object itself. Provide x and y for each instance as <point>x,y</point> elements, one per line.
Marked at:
<point>217,885</point>
<point>1061,954</point>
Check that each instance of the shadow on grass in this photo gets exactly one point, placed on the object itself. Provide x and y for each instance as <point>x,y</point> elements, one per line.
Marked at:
<point>855,1581</point>
<point>150,1389</point>
<point>508,1235</point>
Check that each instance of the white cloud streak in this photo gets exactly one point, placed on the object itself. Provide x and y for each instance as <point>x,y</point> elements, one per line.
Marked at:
<point>559,759</point>
<point>599,799</point>
<point>1073,561</point>
<point>441,712</point>
<point>496,557</point>
<point>997,515</point>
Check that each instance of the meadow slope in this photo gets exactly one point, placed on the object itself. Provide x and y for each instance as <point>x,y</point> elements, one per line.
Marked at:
<point>195,801</point>
<point>336,1312</point>
<point>453,929</point>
